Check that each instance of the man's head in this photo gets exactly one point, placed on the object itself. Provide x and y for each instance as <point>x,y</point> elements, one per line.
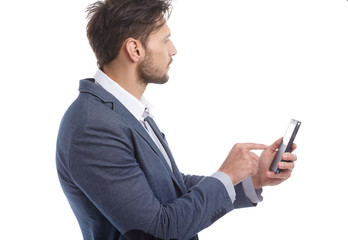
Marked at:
<point>158,56</point>
<point>111,22</point>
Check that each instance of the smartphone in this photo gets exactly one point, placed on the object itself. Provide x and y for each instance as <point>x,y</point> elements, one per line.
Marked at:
<point>286,144</point>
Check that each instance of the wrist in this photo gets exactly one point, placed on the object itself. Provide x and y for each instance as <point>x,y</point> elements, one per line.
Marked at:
<point>229,175</point>
<point>256,181</point>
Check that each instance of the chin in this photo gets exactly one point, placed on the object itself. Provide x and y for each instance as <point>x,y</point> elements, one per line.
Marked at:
<point>160,80</point>
<point>154,79</point>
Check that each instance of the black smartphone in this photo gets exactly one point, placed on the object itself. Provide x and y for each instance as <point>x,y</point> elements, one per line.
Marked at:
<point>286,144</point>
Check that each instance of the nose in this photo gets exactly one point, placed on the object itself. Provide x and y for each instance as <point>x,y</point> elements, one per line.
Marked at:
<point>172,49</point>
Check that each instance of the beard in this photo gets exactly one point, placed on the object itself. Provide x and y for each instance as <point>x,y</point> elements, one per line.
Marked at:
<point>148,72</point>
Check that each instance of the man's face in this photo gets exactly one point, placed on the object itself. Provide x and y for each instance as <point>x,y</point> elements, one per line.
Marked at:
<point>159,52</point>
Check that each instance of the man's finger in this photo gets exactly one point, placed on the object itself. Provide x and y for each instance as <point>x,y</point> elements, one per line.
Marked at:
<point>294,146</point>
<point>284,175</point>
<point>276,144</point>
<point>255,146</point>
<point>286,165</point>
<point>289,157</point>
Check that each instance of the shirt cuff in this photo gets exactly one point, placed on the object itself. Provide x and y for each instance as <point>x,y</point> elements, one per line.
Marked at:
<point>253,195</point>
<point>227,182</point>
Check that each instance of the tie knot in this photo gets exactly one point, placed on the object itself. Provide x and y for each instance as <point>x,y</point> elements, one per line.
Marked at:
<point>146,113</point>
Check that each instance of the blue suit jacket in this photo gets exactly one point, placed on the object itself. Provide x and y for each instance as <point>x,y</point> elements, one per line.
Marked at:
<point>117,182</point>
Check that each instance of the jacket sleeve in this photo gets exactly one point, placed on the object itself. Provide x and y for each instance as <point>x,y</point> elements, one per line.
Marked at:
<point>103,165</point>
<point>191,180</point>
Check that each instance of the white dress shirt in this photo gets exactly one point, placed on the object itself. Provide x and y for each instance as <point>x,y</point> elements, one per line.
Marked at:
<point>133,105</point>
<point>137,107</point>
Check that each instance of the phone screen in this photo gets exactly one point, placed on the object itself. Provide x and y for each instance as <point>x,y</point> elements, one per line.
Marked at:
<point>289,131</point>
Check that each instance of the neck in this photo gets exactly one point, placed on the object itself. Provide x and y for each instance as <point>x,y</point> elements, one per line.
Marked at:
<point>126,78</point>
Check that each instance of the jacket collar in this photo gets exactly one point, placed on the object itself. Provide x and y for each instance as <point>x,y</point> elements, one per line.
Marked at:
<point>134,105</point>
<point>89,86</point>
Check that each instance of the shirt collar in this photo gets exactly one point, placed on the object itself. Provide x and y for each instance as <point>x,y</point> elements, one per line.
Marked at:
<point>133,105</point>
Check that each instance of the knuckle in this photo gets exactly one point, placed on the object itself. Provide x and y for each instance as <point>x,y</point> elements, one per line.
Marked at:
<point>238,146</point>
<point>245,157</point>
<point>249,165</point>
<point>252,165</point>
<point>253,171</point>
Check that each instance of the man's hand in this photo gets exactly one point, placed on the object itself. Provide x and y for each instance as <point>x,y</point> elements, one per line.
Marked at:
<point>241,162</point>
<point>265,177</point>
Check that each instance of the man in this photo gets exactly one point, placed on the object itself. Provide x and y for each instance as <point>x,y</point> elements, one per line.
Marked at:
<point>114,164</point>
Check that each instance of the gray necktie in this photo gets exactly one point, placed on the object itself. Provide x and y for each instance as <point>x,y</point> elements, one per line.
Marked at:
<point>154,137</point>
<point>146,113</point>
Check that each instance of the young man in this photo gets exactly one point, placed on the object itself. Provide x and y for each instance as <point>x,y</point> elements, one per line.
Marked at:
<point>114,164</point>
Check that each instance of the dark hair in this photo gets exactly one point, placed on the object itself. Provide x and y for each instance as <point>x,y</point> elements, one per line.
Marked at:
<point>111,22</point>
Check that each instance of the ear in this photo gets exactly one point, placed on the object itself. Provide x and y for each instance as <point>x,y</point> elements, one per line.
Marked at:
<point>134,49</point>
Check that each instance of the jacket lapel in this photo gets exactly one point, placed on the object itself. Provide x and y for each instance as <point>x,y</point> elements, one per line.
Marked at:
<point>131,120</point>
<point>177,175</point>
<point>89,86</point>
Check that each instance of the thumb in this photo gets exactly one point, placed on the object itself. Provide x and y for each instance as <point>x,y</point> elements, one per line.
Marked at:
<point>276,144</point>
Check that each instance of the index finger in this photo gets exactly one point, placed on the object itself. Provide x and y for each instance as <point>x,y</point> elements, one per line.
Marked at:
<point>255,146</point>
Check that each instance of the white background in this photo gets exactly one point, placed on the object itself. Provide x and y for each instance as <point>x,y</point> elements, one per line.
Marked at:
<point>243,70</point>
